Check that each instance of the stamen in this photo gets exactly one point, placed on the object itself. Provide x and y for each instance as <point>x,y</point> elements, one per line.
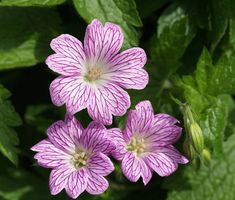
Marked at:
<point>79,159</point>
<point>137,145</point>
<point>93,74</point>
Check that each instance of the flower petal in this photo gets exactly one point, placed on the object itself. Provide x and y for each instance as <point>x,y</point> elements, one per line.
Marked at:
<point>160,163</point>
<point>108,100</point>
<point>172,153</point>
<point>161,120</point>
<point>72,91</point>
<point>100,164</point>
<point>75,128</point>
<point>127,69</point>
<point>116,135</point>
<point>96,184</point>
<point>77,183</point>
<point>95,138</point>
<point>69,56</point>
<point>131,126</point>
<point>164,136</point>
<point>61,135</point>
<point>49,156</point>
<point>131,167</point>
<point>102,43</point>
<point>146,172</point>
<point>145,117</point>
<point>59,179</point>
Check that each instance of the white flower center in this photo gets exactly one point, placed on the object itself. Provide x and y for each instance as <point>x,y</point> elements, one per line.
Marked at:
<point>137,146</point>
<point>93,74</point>
<point>79,159</point>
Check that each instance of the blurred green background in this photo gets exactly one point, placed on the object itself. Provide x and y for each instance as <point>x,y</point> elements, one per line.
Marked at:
<point>191,59</point>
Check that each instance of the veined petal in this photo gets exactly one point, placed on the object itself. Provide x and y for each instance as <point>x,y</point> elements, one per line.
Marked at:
<point>100,164</point>
<point>131,126</point>
<point>160,163</point>
<point>63,65</point>
<point>95,139</point>
<point>131,167</point>
<point>59,179</point>
<point>102,43</point>
<point>96,184</point>
<point>146,172</point>
<point>72,91</point>
<point>75,128</point>
<point>109,99</point>
<point>61,135</point>
<point>127,69</point>
<point>144,111</point>
<point>77,183</point>
<point>116,135</point>
<point>49,156</point>
<point>69,57</point>
<point>172,153</point>
<point>161,120</point>
<point>164,136</point>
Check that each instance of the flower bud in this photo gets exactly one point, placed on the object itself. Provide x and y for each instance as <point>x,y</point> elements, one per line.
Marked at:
<point>189,150</point>
<point>206,155</point>
<point>197,137</point>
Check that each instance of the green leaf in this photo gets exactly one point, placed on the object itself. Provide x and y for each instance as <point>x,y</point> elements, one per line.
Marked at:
<point>203,92</point>
<point>218,79</point>
<point>8,120</point>
<point>201,74</point>
<point>24,40</point>
<point>213,183</point>
<point>175,32</point>
<point>213,121</point>
<point>121,12</point>
<point>218,21</point>
<point>30,2</point>
<point>222,77</point>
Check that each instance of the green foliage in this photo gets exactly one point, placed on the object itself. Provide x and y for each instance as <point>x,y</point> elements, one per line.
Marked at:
<point>24,40</point>
<point>174,34</point>
<point>31,2</point>
<point>8,120</point>
<point>203,92</point>
<point>218,23</point>
<point>121,12</point>
<point>216,182</point>
<point>190,47</point>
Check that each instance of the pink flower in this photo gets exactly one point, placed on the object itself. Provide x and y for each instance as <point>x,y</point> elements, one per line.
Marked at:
<point>78,157</point>
<point>95,75</point>
<point>146,144</point>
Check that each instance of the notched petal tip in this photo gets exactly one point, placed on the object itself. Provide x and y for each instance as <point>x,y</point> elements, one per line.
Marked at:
<point>95,22</point>
<point>146,104</point>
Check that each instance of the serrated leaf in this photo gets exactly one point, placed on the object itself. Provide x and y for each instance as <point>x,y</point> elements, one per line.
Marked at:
<point>25,3</point>
<point>211,109</point>
<point>8,120</point>
<point>24,40</point>
<point>216,182</point>
<point>121,12</point>
<point>213,121</point>
<point>216,79</point>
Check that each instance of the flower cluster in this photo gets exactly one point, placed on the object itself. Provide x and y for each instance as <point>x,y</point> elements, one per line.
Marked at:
<point>94,76</point>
